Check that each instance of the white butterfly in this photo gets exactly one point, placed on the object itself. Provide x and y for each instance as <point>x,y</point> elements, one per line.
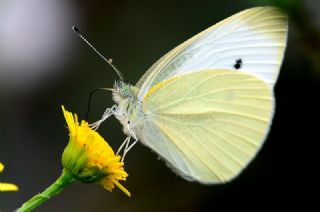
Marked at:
<point>206,106</point>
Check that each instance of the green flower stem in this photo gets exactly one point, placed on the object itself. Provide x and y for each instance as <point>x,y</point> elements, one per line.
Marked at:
<point>62,182</point>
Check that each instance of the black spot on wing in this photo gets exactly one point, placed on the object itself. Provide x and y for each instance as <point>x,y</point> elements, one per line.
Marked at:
<point>238,64</point>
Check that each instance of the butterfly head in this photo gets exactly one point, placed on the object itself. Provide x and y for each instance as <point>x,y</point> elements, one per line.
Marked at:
<point>125,96</point>
<point>123,91</point>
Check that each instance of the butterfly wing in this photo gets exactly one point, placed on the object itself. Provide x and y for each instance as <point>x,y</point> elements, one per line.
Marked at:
<point>251,41</point>
<point>207,125</point>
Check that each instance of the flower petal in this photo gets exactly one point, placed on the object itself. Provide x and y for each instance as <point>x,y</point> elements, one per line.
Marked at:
<point>8,187</point>
<point>1,167</point>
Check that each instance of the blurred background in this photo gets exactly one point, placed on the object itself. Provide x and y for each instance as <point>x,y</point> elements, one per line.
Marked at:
<point>44,65</point>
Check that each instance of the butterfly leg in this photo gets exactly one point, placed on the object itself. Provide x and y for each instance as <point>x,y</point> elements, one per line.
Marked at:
<point>128,147</point>
<point>124,143</point>
<point>131,145</point>
<point>107,113</point>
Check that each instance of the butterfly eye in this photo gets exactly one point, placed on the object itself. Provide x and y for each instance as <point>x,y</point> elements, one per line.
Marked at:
<point>125,92</point>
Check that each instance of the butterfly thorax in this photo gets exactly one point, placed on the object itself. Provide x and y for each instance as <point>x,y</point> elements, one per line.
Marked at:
<point>125,96</point>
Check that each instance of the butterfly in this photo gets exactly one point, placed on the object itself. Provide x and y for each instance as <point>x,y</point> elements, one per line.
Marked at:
<point>206,106</point>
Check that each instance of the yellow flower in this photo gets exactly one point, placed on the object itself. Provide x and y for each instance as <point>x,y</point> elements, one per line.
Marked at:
<point>7,186</point>
<point>89,158</point>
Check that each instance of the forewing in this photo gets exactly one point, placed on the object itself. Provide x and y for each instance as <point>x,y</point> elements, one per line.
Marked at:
<point>208,125</point>
<point>251,41</point>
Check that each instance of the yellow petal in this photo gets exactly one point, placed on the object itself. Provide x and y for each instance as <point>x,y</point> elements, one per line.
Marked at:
<point>8,187</point>
<point>121,187</point>
<point>1,167</point>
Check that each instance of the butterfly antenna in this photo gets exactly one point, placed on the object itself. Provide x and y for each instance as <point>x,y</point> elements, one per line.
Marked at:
<point>109,61</point>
